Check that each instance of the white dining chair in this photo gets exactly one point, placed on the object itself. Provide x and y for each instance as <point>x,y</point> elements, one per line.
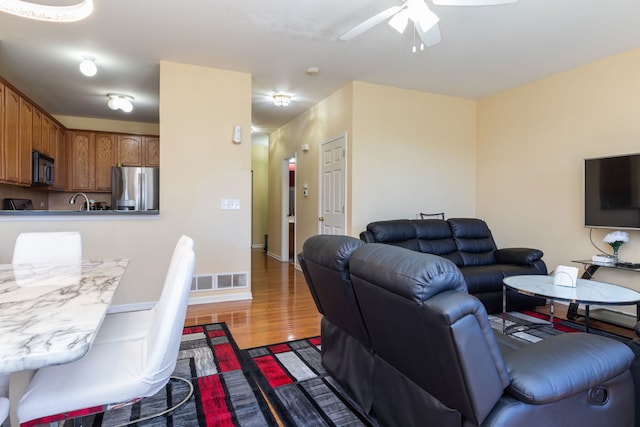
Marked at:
<point>121,371</point>
<point>4,409</point>
<point>56,246</point>
<point>135,324</point>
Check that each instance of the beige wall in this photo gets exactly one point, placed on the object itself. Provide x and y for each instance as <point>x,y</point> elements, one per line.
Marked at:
<point>532,142</point>
<point>260,188</point>
<point>199,166</point>
<point>329,118</point>
<point>412,152</point>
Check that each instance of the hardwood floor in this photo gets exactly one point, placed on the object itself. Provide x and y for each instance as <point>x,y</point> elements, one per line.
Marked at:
<point>282,308</point>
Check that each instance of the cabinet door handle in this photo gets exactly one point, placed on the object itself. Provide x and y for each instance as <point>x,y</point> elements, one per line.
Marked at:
<point>321,218</point>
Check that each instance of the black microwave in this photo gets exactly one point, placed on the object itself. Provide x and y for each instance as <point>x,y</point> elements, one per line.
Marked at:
<point>42,170</point>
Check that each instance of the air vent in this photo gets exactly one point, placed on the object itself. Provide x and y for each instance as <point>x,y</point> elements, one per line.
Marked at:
<point>209,282</point>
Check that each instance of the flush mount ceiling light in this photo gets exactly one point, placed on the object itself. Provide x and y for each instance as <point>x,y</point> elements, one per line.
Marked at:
<point>88,66</point>
<point>281,100</point>
<point>119,101</point>
<point>42,12</point>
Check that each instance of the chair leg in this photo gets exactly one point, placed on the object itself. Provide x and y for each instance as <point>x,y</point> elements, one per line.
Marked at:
<point>168,410</point>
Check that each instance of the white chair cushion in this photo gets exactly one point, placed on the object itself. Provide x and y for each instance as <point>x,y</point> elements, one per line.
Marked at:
<point>109,373</point>
<point>126,325</point>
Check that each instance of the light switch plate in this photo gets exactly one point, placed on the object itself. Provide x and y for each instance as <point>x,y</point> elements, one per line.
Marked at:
<point>230,204</point>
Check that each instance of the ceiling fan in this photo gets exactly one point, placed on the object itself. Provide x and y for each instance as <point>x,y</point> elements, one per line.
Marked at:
<point>425,22</point>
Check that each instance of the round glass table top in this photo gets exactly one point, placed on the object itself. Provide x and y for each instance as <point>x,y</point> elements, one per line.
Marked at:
<point>586,291</point>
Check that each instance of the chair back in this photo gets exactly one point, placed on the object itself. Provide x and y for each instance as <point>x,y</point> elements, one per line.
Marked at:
<point>325,263</point>
<point>163,340</point>
<point>60,246</point>
<point>424,324</point>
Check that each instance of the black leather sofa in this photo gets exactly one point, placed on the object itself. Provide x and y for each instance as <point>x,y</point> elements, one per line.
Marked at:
<point>469,244</point>
<point>436,359</point>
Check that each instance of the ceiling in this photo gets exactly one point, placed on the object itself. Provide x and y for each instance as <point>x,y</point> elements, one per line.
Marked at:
<point>484,50</point>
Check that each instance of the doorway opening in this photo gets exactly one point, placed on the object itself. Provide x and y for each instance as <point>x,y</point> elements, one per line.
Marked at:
<point>288,210</point>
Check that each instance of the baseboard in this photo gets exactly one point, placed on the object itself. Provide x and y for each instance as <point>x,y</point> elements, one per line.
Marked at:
<point>614,317</point>
<point>274,255</point>
<point>257,246</point>
<point>220,298</point>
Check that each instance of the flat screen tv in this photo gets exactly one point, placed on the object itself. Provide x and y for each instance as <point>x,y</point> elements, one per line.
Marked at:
<point>612,192</point>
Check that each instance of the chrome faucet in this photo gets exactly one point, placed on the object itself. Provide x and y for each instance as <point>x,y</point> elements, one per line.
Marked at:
<point>72,201</point>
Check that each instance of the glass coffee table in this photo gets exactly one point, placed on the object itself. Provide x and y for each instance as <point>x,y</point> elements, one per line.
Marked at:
<point>586,292</point>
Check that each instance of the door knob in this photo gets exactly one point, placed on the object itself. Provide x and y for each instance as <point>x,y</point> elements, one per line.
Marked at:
<point>321,218</point>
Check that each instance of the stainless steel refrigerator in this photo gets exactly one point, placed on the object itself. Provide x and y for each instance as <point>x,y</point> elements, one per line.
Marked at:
<point>135,189</point>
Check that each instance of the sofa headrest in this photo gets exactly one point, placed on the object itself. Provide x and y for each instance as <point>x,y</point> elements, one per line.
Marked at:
<point>469,228</point>
<point>330,251</point>
<point>395,230</point>
<point>410,274</point>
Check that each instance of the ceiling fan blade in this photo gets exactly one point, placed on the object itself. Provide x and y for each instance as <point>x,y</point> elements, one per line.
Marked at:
<point>371,22</point>
<point>431,36</point>
<point>471,2</point>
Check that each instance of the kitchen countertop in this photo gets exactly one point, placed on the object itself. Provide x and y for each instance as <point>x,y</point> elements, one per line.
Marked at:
<point>7,215</point>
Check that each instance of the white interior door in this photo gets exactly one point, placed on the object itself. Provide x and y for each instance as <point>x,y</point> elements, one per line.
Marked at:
<point>333,180</point>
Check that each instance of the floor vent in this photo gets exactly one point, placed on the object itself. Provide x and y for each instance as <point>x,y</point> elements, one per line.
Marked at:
<point>209,282</point>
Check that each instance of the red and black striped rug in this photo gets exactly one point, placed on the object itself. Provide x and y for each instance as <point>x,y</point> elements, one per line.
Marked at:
<point>224,395</point>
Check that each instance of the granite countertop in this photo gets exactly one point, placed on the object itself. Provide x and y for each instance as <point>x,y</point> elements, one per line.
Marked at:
<point>51,312</point>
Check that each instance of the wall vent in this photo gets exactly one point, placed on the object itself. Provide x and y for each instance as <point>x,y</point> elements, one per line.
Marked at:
<point>209,282</point>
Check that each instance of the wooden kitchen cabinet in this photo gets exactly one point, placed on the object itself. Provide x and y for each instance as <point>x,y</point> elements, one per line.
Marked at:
<point>2,89</point>
<point>81,165</point>
<point>36,133</point>
<point>130,152</point>
<point>11,137</point>
<point>26,128</point>
<point>105,158</point>
<point>57,147</point>
<point>151,151</point>
<point>45,134</point>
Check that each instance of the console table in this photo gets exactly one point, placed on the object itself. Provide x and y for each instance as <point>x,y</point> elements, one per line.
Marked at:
<point>590,268</point>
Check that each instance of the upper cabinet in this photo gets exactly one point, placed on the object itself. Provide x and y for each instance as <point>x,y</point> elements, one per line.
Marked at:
<point>91,155</point>
<point>152,150</point>
<point>15,137</point>
<point>57,147</point>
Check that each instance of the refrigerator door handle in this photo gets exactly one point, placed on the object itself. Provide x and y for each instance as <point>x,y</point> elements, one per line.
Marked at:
<point>142,181</point>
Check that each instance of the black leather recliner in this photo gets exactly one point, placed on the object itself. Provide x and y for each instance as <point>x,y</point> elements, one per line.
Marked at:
<point>346,346</point>
<point>437,359</point>
<point>469,244</point>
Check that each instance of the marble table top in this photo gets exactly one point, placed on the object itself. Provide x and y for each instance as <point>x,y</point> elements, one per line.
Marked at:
<point>585,291</point>
<point>50,313</point>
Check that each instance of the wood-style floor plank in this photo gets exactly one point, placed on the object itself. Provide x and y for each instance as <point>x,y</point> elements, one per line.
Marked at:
<point>281,310</point>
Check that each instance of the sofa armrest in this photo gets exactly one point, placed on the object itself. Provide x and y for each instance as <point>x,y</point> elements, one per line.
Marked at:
<point>518,256</point>
<point>367,237</point>
<point>563,365</point>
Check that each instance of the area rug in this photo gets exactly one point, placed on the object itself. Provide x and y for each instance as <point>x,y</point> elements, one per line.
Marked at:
<point>299,388</point>
<point>532,326</point>
<point>224,392</point>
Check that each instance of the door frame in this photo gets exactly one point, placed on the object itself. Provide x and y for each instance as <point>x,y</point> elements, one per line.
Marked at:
<point>284,208</point>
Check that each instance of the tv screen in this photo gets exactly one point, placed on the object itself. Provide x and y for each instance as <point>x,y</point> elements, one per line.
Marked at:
<point>612,192</point>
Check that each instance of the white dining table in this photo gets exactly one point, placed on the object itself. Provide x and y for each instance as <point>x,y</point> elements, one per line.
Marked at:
<point>50,313</point>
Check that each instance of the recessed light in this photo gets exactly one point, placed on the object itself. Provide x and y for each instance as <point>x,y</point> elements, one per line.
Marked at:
<point>88,66</point>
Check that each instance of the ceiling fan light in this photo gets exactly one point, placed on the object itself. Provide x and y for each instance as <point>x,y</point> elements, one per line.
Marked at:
<point>88,66</point>
<point>399,21</point>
